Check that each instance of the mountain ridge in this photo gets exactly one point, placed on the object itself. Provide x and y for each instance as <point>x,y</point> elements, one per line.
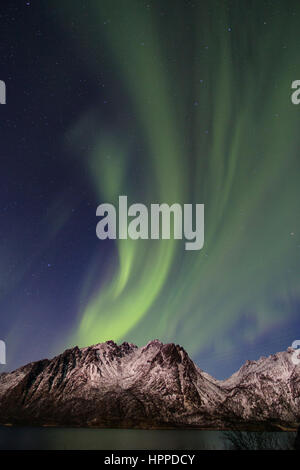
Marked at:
<point>154,386</point>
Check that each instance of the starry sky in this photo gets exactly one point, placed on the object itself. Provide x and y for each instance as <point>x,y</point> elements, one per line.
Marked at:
<point>163,101</point>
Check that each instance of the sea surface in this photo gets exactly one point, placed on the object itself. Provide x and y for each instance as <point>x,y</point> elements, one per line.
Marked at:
<point>43,438</point>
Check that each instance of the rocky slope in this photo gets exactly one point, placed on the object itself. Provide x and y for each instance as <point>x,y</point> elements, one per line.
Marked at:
<point>157,385</point>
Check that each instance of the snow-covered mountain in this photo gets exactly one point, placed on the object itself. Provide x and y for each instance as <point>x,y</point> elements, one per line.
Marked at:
<point>158,385</point>
<point>266,390</point>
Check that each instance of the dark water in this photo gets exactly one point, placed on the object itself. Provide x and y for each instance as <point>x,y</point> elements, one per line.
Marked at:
<point>12,438</point>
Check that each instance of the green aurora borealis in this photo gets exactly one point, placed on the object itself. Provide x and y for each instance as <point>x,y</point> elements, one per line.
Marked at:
<point>209,88</point>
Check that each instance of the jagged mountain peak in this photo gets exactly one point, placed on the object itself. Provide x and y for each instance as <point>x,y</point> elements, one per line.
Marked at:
<point>278,366</point>
<point>156,385</point>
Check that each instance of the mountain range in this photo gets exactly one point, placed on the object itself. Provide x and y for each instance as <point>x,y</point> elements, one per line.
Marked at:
<point>155,386</point>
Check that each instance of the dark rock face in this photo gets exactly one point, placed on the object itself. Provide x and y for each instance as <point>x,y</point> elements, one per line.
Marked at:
<point>107,385</point>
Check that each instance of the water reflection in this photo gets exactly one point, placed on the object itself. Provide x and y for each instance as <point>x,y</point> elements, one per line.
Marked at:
<point>12,438</point>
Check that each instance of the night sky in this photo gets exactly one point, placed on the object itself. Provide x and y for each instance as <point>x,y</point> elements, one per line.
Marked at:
<point>162,101</point>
